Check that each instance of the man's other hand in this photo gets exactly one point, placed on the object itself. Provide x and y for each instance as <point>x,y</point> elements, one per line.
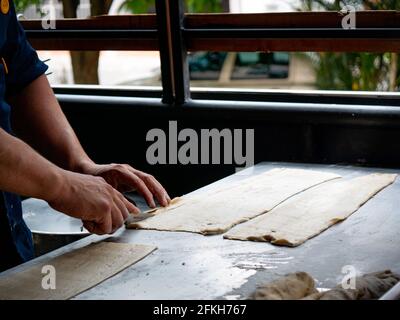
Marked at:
<point>125,178</point>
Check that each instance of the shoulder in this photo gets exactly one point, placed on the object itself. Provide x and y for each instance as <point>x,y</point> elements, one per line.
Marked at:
<point>7,15</point>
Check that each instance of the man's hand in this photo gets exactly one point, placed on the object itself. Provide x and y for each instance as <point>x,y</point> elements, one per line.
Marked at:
<point>102,209</point>
<point>125,178</point>
<point>38,120</point>
<point>23,171</point>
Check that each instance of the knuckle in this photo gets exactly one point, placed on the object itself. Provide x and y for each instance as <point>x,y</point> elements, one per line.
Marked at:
<point>119,167</point>
<point>109,188</point>
<point>148,178</point>
<point>99,178</point>
<point>105,205</point>
<point>141,185</point>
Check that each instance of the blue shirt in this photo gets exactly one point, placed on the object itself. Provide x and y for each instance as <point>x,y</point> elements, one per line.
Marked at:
<point>19,66</point>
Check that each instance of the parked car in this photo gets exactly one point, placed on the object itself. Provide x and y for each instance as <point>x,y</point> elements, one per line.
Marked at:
<point>250,70</point>
<point>276,70</point>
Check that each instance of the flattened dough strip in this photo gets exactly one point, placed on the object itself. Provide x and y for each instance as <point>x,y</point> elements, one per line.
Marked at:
<point>313,211</point>
<point>75,271</point>
<point>216,212</point>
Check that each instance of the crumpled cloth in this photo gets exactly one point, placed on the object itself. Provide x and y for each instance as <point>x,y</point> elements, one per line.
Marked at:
<point>301,285</point>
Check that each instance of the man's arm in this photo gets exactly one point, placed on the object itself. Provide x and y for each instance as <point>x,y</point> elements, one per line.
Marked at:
<point>38,119</point>
<point>23,171</point>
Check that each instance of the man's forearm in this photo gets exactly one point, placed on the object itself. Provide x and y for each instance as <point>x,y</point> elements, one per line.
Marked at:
<point>25,172</point>
<point>38,119</point>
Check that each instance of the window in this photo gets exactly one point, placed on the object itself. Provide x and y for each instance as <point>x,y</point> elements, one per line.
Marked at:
<point>357,71</point>
<point>260,44</point>
<point>107,67</point>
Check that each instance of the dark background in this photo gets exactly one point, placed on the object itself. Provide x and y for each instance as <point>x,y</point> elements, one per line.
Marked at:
<point>113,129</point>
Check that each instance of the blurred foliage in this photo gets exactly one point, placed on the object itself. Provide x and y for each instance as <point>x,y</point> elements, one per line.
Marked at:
<point>336,5</point>
<point>21,5</point>
<point>354,71</point>
<point>206,6</point>
<point>351,71</point>
<point>142,6</point>
<point>192,6</point>
<point>138,6</point>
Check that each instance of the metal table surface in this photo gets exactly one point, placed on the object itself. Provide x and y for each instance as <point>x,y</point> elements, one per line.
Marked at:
<point>193,266</point>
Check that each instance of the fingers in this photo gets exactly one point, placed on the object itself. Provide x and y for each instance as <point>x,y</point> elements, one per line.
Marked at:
<point>125,208</point>
<point>154,186</point>
<point>112,219</point>
<point>94,228</point>
<point>126,177</point>
<point>158,190</point>
<point>134,181</point>
<point>130,206</point>
<point>118,215</point>
<point>89,226</point>
<point>100,227</point>
<point>109,225</point>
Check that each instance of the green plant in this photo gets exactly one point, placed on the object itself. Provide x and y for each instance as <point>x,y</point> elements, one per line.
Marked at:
<point>192,6</point>
<point>355,71</point>
<point>207,6</point>
<point>21,5</point>
<point>138,6</point>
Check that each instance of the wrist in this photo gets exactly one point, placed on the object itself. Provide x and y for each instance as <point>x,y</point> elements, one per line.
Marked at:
<point>55,185</point>
<point>84,166</point>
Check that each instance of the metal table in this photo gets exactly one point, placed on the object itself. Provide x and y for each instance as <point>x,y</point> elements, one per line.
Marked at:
<point>192,266</point>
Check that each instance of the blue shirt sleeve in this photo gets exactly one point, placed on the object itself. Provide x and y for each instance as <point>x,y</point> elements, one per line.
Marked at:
<point>23,63</point>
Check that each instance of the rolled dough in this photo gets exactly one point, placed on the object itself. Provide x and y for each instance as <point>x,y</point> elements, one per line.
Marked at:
<point>218,211</point>
<point>311,212</point>
<point>75,271</point>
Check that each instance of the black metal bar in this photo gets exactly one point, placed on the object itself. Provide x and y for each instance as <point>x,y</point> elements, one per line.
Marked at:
<point>351,98</point>
<point>168,91</point>
<point>111,91</point>
<point>175,10</point>
<point>293,96</point>
<point>304,113</point>
<point>307,33</point>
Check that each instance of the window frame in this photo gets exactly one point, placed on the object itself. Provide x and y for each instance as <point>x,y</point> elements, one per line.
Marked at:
<point>174,33</point>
